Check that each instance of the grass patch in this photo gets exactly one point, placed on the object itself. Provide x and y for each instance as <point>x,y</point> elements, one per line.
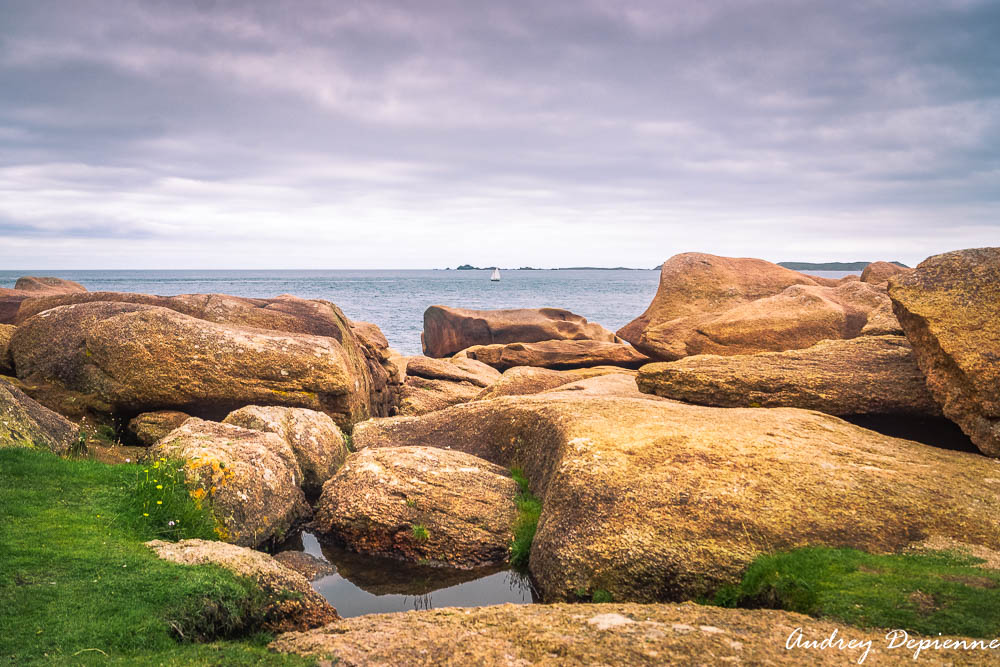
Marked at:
<point>78,585</point>
<point>158,504</point>
<point>926,593</point>
<point>529,508</point>
<point>420,532</point>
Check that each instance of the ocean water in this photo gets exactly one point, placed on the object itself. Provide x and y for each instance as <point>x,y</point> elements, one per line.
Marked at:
<point>396,300</point>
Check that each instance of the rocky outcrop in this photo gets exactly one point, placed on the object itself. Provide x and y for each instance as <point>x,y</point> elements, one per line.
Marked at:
<point>861,376</point>
<point>601,634</point>
<point>6,361</point>
<point>292,604</point>
<point>718,305</point>
<point>525,380</point>
<point>659,500</point>
<point>450,330</point>
<point>556,354</point>
<point>433,384</point>
<point>26,423</point>
<point>880,272</point>
<point>949,308</point>
<point>622,385</point>
<point>317,443</point>
<point>148,428</point>
<point>250,479</point>
<point>139,358</point>
<point>420,504</point>
<point>29,287</point>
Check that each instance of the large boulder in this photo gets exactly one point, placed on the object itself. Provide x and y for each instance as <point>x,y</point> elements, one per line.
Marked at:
<point>450,330</point>
<point>420,504</point>
<point>291,604</point>
<point>148,428</point>
<point>949,308</point>
<point>525,380</point>
<point>658,500</point>
<point>6,361</point>
<point>26,423</point>
<point>622,385</point>
<point>139,358</point>
<point>881,272</point>
<point>861,376</point>
<point>28,287</point>
<point>317,443</point>
<point>606,634</point>
<point>717,305</point>
<point>556,354</point>
<point>432,384</point>
<point>250,479</point>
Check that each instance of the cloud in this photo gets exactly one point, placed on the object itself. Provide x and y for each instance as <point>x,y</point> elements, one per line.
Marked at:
<point>384,134</point>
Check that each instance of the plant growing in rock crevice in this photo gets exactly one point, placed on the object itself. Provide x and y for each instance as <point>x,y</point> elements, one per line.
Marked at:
<point>529,509</point>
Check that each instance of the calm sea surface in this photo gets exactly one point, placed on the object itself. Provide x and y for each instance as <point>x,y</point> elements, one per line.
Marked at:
<point>396,300</point>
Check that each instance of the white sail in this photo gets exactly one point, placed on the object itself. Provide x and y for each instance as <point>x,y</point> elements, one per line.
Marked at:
<point>496,275</point>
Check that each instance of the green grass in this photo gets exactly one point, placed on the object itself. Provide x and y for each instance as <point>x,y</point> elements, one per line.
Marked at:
<point>157,504</point>
<point>420,532</point>
<point>77,585</point>
<point>529,508</point>
<point>926,593</point>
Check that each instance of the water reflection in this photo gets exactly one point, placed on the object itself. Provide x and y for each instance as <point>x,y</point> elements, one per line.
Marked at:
<point>373,585</point>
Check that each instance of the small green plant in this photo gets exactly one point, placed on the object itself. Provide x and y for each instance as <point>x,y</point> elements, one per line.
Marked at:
<point>410,502</point>
<point>79,446</point>
<point>601,595</point>
<point>420,532</point>
<point>349,441</point>
<point>106,434</point>
<point>926,593</point>
<point>160,505</point>
<point>529,509</point>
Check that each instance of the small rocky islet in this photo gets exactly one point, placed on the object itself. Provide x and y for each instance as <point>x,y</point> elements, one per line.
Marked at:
<point>667,456</point>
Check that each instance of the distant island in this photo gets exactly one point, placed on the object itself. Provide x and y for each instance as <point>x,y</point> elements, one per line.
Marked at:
<point>831,266</point>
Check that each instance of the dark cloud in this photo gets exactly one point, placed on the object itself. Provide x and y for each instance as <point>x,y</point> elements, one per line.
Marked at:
<point>385,134</point>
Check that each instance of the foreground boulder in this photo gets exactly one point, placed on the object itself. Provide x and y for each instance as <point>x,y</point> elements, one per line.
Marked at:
<point>137,358</point>
<point>29,287</point>
<point>949,308</point>
<point>250,479</point>
<point>291,604</point>
<point>26,423</point>
<point>6,361</point>
<point>718,305</point>
<point>867,375</point>
<point>317,443</point>
<point>149,428</point>
<point>556,354</point>
<point>655,500</point>
<point>525,380</point>
<point>881,272</point>
<point>420,504</point>
<point>450,330</point>
<point>600,634</point>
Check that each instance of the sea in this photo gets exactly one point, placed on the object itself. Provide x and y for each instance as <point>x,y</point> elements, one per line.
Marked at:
<point>396,300</point>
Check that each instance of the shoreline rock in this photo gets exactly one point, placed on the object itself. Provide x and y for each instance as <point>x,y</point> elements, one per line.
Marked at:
<point>556,355</point>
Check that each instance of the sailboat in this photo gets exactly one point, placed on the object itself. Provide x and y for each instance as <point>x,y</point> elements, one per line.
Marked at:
<point>496,275</point>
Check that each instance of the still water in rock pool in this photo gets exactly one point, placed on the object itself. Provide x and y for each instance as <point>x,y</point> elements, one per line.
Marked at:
<point>371,585</point>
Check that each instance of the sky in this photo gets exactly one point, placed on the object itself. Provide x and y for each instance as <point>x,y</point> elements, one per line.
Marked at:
<point>207,134</point>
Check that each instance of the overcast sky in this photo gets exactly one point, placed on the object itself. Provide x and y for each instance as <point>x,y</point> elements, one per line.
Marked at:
<point>329,134</point>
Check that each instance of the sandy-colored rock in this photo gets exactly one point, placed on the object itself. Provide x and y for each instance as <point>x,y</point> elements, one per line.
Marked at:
<point>420,504</point>
<point>660,501</point>
<point>796,318</point>
<point>316,441</point>
<point>28,287</point>
<point>418,395</point>
<point>695,283</point>
<point>450,330</point>
<point>622,385</point>
<point>138,358</point>
<point>525,380</point>
<point>880,272</point>
<point>556,354</point>
<point>26,423</point>
<point>307,565</point>
<point>428,384</point>
<point>454,370</point>
<point>860,376</point>
<point>949,308</point>
<point>250,478</point>
<point>292,603</point>
<point>6,361</point>
<point>149,427</point>
<point>603,634</point>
